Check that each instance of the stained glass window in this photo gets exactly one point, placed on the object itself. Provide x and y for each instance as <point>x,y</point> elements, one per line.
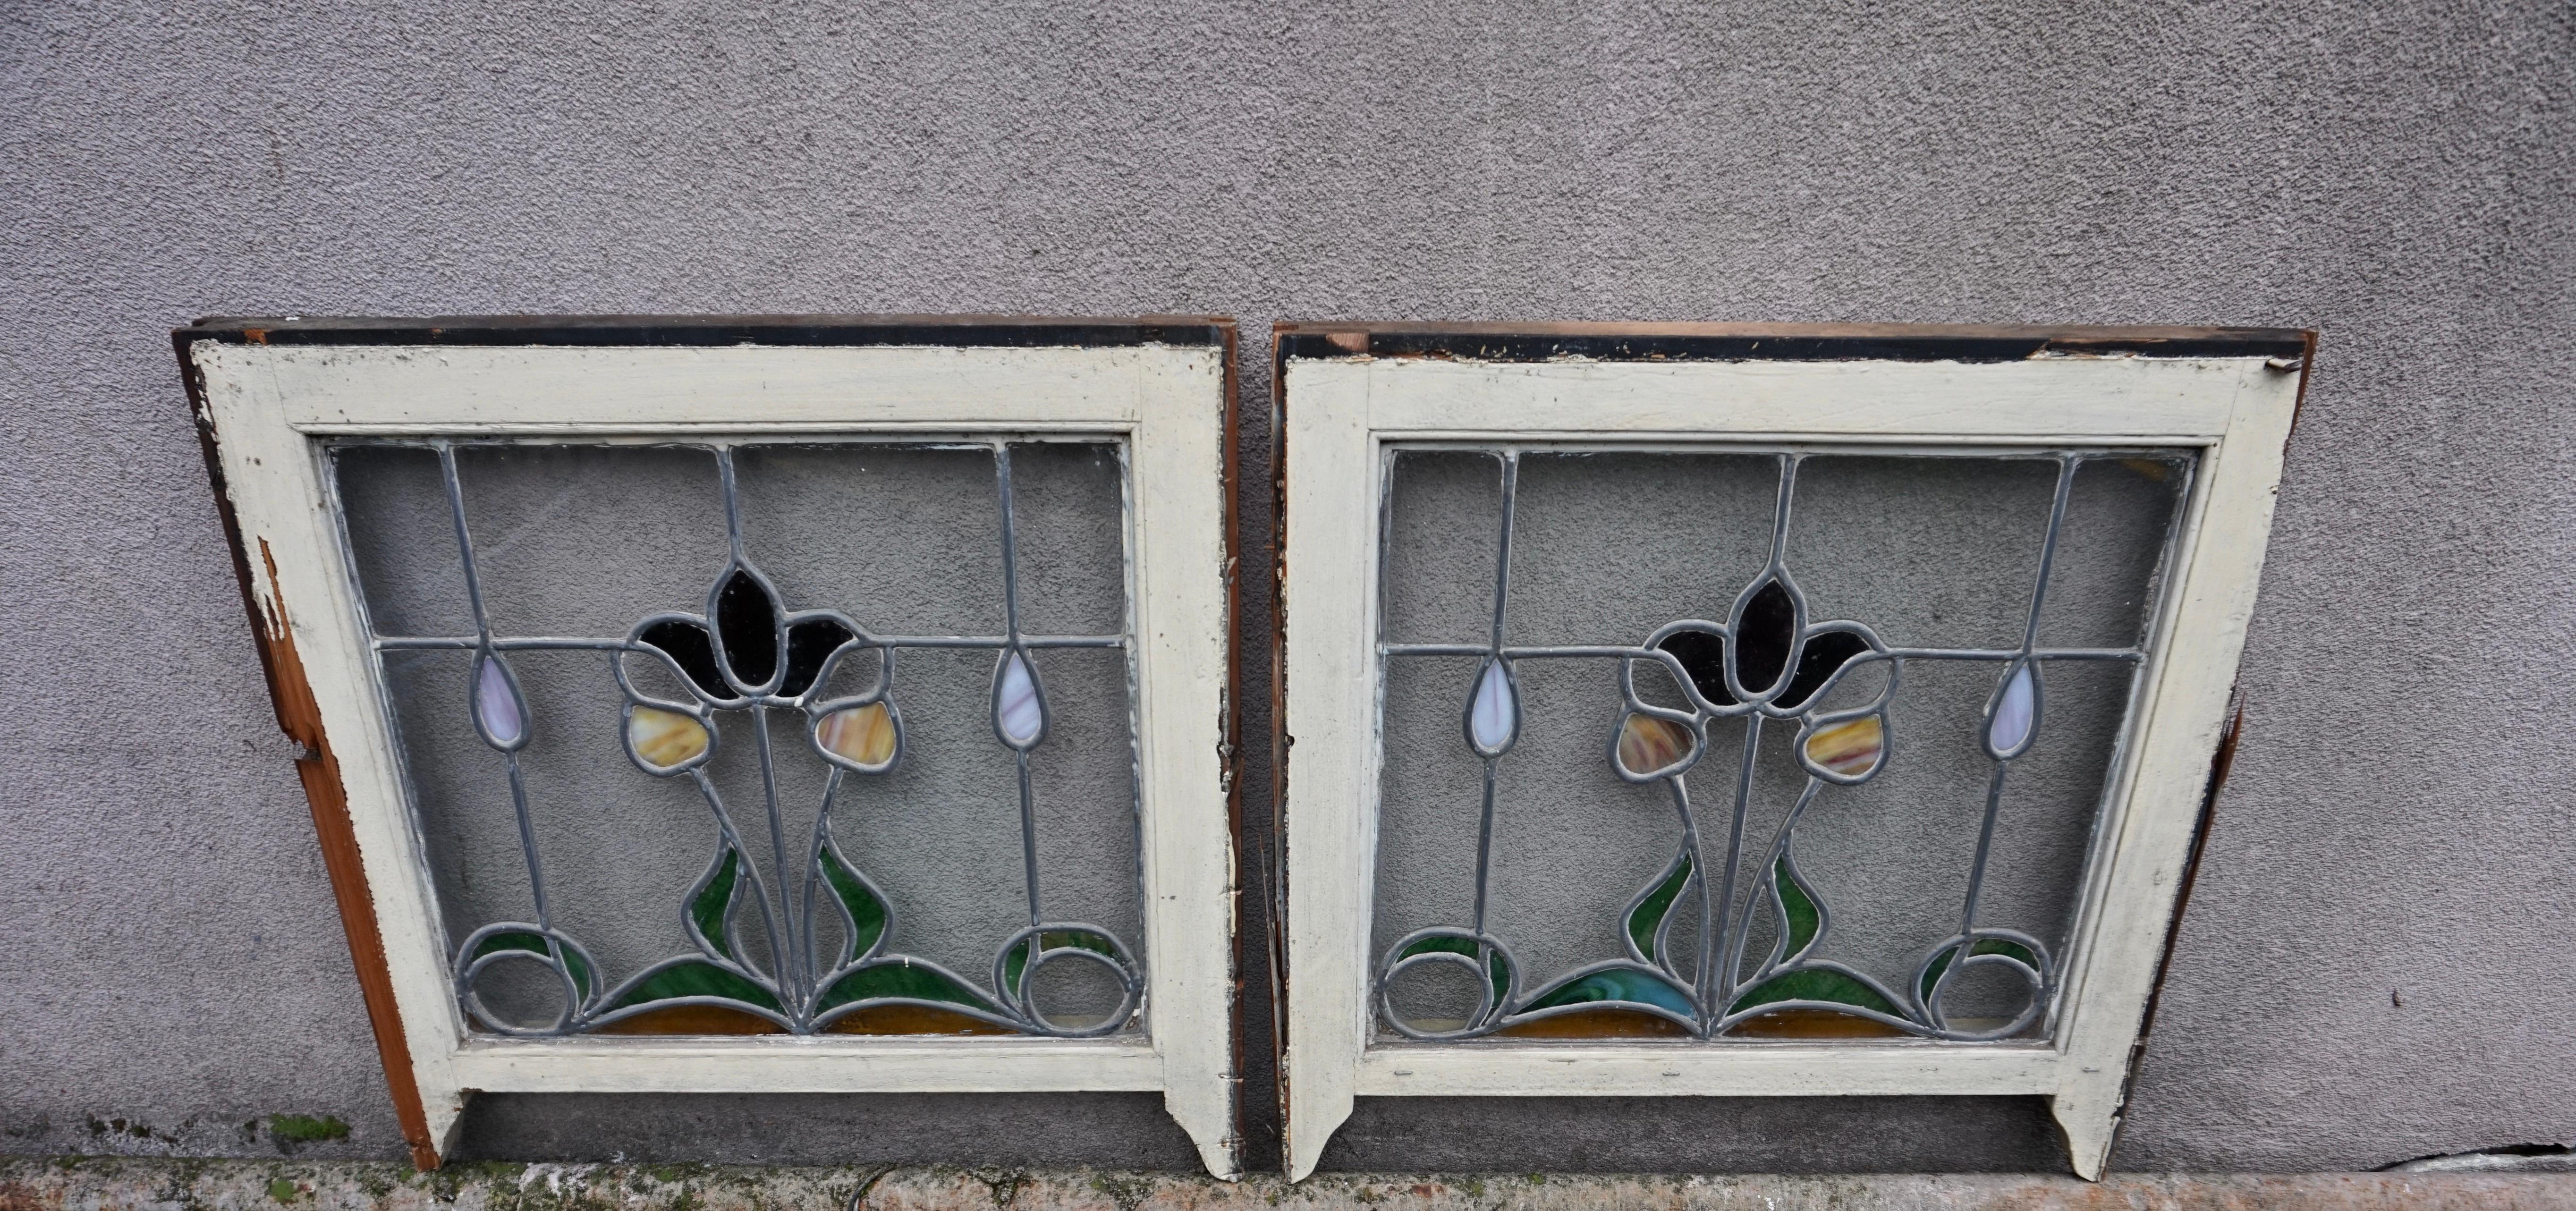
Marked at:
<point>1749,744</point>
<point>760,738</point>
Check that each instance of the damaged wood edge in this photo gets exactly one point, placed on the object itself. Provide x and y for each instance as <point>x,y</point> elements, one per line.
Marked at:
<point>2307,366</point>
<point>1230,735</point>
<point>318,769</point>
<point>1701,341</point>
<point>1280,740</point>
<point>2221,763</point>
<point>704,331</point>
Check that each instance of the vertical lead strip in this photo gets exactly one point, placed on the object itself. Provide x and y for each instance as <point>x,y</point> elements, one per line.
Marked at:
<point>1511,472</point>
<point>2022,666</point>
<point>795,959</point>
<point>1011,630</point>
<point>510,757</point>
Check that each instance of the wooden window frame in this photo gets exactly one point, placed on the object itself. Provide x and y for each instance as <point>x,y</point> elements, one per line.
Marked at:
<point>1344,391</point>
<point>267,395</point>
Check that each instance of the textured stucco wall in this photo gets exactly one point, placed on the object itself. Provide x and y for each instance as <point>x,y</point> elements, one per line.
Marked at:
<point>2378,960</point>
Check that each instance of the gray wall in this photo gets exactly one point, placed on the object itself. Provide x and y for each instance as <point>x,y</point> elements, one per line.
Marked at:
<point>2377,962</point>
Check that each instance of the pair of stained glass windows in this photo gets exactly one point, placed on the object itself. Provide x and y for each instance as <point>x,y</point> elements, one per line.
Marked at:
<point>1660,700</point>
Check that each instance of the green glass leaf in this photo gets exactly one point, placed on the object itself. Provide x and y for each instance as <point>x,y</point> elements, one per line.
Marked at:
<point>1990,946</point>
<point>1647,918</point>
<point>1498,967</point>
<point>901,978</point>
<point>715,902</point>
<point>867,912</point>
<point>535,943</point>
<point>1055,939</point>
<point>1634,985</point>
<point>1801,917</point>
<point>697,978</point>
<point>1827,984</point>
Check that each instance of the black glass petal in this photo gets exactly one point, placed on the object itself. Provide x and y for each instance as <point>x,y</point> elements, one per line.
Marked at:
<point>747,619</point>
<point>1763,637</point>
<point>809,642</point>
<point>1817,663</point>
<point>1703,656</point>
<point>691,649</point>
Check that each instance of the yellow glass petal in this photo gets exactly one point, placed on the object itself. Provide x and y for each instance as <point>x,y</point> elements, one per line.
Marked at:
<point>1849,749</point>
<point>864,734</point>
<point>664,738</point>
<point>1647,744</point>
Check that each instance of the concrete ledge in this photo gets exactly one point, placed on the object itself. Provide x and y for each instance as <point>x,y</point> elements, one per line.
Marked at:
<point>100,1184</point>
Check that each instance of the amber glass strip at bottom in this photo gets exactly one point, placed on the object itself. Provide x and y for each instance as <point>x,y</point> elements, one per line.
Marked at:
<point>1814,1024</point>
<point>693,1019</point>
<point>881,1020</point>
<point>912,1019</point>
<point>1597,1024</point>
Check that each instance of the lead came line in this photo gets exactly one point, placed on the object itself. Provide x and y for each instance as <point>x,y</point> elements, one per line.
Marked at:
<point>1841,746</point>
<point>801,992</point>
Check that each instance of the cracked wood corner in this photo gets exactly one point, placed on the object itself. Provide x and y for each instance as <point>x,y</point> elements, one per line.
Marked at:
<point>318,770</point>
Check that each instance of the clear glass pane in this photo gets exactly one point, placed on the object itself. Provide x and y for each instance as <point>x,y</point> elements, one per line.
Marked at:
<point>1930,732</point>
<point>714,741</point>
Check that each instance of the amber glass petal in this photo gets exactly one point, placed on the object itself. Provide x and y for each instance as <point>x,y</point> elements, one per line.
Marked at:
<point>865,735</point>
<point>664,739</point>
<point>1849,750</point>
<point>1648,745</point>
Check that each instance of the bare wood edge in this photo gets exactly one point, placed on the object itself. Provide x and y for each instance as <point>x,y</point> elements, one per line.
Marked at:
<point>1279,739</point>
<point>300,717</point>
<point>2222,763</point>
<point>2090,1114</point>
<point>1230,747</point>
<point>1522,341</point>
<point>1751,328</point>
<point>621,329</point>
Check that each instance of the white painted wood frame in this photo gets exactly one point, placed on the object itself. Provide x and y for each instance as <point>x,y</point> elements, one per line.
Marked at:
<point>1347,391</point>
<point>270,393</point>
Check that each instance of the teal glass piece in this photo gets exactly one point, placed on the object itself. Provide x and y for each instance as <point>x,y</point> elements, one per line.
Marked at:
<point>1623,984</point>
